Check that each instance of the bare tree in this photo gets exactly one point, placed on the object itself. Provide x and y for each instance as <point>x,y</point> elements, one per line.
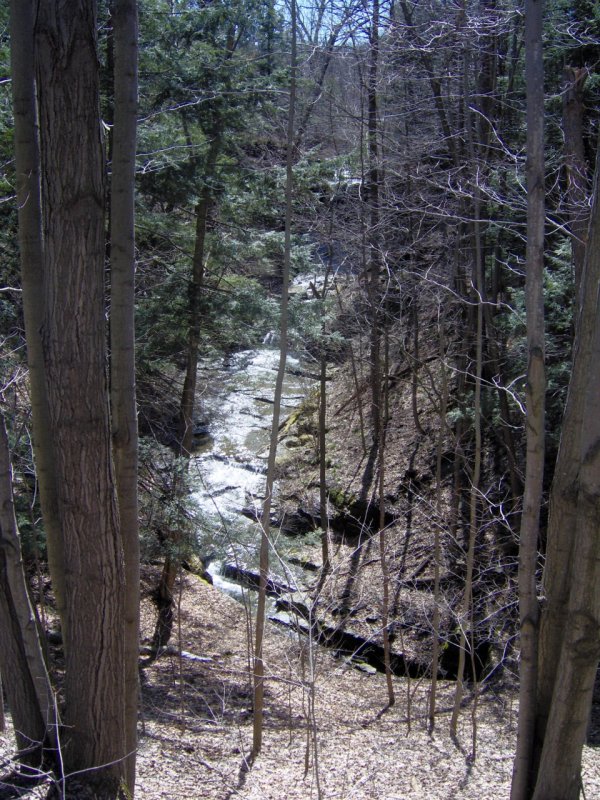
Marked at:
<point>259,665</point>
<point>536,386</point>
<point>373,230</point>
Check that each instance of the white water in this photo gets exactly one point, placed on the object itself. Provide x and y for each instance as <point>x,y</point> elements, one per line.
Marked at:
<point>229,474</point>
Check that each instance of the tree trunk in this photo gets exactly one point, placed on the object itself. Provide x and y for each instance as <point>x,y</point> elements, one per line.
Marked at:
<point>373,235</point>
<point>507,426</point>
<point>323,496</point>
<point>27,169</point>
<point>122,339</point>
<point>536,387</point>
<point>437,546</point>
<point>414,321</point>
<point>385,569</point>
<point>466,615</point>
<point>30,696</point>
<point>203,211</point>
<point>569,643</point>
<point>203,208</point>
<point>259,667</point>
<point>74,337</point>
<point>163,600</point>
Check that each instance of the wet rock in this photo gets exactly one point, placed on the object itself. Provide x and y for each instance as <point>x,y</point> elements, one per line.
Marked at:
<point>251,579</point>
<point>250,466</point>
<point>296,604</point>
<point>307,565</point>
<point>198,567</point>
<point>298,522</point>
<point>255,514</point>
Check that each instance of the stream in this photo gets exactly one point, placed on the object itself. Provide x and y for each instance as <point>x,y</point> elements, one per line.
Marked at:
<point>229,466</point>
<point>228,471</point>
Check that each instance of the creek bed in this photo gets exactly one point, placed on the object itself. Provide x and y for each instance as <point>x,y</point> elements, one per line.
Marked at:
<point>228,470</point>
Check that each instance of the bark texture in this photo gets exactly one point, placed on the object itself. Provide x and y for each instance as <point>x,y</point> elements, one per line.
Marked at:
<point>122,331</point>
<point>569,648</point>
<point>27,169</point>
<point>28,690</point>
<point>203,210</point>
<point>74,336</point>
<point>535,392</point>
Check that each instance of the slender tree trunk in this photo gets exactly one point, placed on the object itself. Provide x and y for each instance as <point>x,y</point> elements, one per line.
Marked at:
<point>122,338</point>
<point>356,381</point>
<point>30,696</point>
<point>385,569</point>
<point>460,429</point>
<point>171,566</point>
<point>437,546</point>
<point>259,666</point>
<point>74,337</point>
<point>323,497</point>
<point>164,600</point>
<point>373,235</point>
<point>203,209</point>
<point>466,617</point>
<point>487,67</point>
<point>536,387</point>
<point>414,313</point>
<point>27,164</point>
<point>507,426</point>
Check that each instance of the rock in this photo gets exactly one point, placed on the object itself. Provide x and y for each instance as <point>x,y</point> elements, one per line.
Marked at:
<point>197,567</point>
<point>307,565</point>
<point>254,513</point>
<point>299,522</point>
<point>291,442</point>
<point>251,579</point>
<point>362,666</point>
<point>296,603</point>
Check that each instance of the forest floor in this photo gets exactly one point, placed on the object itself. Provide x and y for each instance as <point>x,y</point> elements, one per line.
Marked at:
<point>325,736</point>
<point>328,732</point>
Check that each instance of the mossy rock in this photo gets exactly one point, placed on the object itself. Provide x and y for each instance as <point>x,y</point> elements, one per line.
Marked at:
<point>303,417</point>
<point>341,499</point>
<point>196,566</point>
